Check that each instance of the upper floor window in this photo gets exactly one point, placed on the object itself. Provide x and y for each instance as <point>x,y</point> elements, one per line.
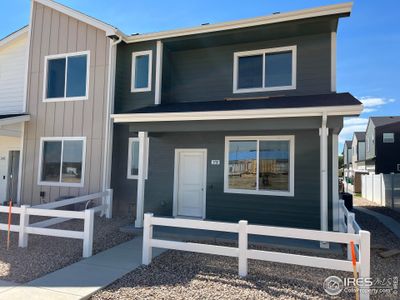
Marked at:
<point>265,70</point>
<point>62,161</point>
<point>388,137</point>
<point>141,71</point>
<point>66,77</point>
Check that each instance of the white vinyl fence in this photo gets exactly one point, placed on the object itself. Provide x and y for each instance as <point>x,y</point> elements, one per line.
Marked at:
<point>59,216</point>
<point>382,189</point>
<point>243,253</point>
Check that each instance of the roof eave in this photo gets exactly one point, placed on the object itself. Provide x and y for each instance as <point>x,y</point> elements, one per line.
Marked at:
<point>351,110</point>
<point>15,119</point>
<point>13,36</point>
<point>337,9</point>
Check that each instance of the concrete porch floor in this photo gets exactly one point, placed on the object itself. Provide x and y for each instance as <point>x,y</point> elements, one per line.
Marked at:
<point>182,234</point>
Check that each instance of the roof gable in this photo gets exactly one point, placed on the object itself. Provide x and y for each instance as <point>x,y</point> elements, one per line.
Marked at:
<point>13,36</point>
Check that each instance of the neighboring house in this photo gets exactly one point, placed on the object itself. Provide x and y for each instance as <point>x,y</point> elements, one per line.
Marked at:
<point>358,160</point>
<point>13,59</point>
<point>347,163</point>
<point>66,143</point>
<point>383,145</point>
<point>231,121</point>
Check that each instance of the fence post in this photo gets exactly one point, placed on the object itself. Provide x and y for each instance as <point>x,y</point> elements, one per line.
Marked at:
<point>88,233</point>
<point>341,215</point>
<point>243,244</point>
<point>23,223</point>
<point>350,229</point>
<point>365,240</point>
<point>147,253</point>
<point>109,203</point>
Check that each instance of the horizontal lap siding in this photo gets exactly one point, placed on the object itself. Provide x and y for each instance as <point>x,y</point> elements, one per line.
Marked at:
<point>54,33</point>
<point>207,74</point>
<point>302,210</point>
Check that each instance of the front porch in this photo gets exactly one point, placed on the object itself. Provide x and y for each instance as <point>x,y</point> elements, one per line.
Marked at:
<point>203,145</point>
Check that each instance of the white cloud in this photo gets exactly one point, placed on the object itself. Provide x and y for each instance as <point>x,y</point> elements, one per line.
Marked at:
<point>350,125</point>
<point>372,104</point>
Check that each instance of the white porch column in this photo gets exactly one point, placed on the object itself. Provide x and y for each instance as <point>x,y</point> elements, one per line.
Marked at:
<point>324,176</point>
<point>335,182</point>
<point>141,179</point>
<point>159,63</point>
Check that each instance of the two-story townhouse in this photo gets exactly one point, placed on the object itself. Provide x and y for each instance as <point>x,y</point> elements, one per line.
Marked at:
<point>13,60</point>
<point>69,87</point>
<point>383,145</point>
<point>230,121</point>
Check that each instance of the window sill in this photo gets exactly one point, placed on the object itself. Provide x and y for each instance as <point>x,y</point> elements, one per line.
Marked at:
<point>60,184</point>
<point>269,89</point>
<point>65,99</point>
<point>141,90</point>
<point>263,193</point>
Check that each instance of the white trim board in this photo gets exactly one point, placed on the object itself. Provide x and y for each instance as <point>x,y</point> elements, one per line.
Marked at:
<point>60,183</point>
<point>146,166</point>
<point>176,169</point>
<point>343,8</point>
<point>257,191</point>
<point>349,110</point>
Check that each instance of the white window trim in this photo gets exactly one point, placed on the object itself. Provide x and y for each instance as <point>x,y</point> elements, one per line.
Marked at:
<point>65,98</point>
<point>146,166</point>
<point>289,138</point>
<point>133,74</point>
<point>62,139</point>
<point>391,140</point>
<point>237,55</point>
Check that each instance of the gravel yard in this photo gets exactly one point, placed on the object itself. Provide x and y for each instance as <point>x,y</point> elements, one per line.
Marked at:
<point>358,201</point>
<point>46,254</point>
<point>183,275</point>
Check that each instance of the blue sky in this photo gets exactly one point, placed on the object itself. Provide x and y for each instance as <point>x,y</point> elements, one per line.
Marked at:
<point>368,43</point>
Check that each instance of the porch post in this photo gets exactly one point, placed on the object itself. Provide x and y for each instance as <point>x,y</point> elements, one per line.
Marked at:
<point>324,177</point>
<point>335,182</point>
<point>141,179</point>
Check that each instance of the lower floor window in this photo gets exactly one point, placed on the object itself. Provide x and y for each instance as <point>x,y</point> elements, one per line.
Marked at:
<point>260,165</point>
<point>133,158</point>
<point>62,161</point>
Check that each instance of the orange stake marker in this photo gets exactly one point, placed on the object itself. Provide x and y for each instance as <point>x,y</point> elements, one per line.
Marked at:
<point>9,225</point>
<point>354,261</point>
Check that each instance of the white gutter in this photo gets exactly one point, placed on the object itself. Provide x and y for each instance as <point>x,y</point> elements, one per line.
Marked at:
<point>239,114</point>
<point>324,176</point>
<point>343,8</point>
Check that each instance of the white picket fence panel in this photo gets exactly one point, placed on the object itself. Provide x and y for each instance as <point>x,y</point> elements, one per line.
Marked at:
<point>243,253</point>
<point>58,216</point>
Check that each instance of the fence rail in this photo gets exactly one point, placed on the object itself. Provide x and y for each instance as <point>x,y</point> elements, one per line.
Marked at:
<point>243,253</point>
<point>58,216</point>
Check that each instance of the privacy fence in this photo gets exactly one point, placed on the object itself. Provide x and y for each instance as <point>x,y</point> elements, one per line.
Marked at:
<point>382,189</point>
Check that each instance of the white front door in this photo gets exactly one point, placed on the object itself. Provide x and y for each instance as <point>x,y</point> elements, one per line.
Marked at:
<point>190,182</point>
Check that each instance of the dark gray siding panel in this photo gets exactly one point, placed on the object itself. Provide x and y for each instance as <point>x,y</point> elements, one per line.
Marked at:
<point>125,99</point>
<point>387,154</point>
<point>206,74</point>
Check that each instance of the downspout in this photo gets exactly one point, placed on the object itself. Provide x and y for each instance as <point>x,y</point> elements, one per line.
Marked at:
<point>109,110</point>
<point>324,176</point>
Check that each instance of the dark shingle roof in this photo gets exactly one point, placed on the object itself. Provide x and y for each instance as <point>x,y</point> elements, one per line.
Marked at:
<point>333,99</point>
<point>348,144</point>
<point>360,136</point>
<point>381,121</point>
<point>11,116</point>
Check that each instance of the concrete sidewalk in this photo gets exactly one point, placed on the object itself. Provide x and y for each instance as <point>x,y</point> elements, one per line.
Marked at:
<point>82,279</point>
<point>389,222</point>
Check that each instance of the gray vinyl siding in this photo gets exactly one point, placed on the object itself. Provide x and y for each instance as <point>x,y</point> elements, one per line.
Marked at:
<point>125,99</point>
<point>370,138</point>
<point>302,210</point>
<point>206,74</point>
<point>56,33</point>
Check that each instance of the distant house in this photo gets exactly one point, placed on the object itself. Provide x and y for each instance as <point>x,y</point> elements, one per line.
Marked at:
<point>347,161</point>
<point>383,145</point>
<point>358,159</point>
